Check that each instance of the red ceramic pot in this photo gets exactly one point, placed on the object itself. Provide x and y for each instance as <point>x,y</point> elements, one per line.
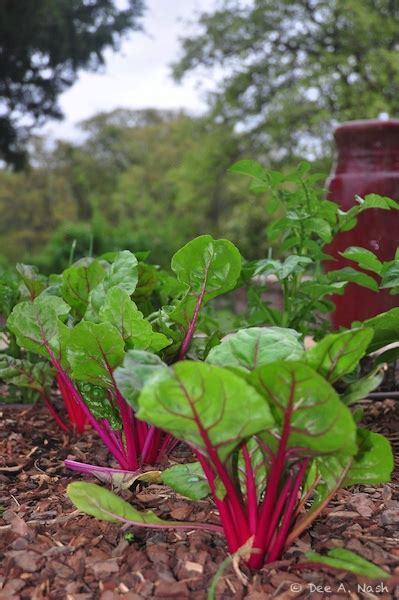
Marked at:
<point>367,162</point>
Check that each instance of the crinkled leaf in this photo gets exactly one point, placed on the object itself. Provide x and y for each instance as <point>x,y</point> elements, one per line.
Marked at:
<point>107,506</point>
<point>99,404</point>
<point>94,350</point>
<point>78,282</point>
<point>119,310</point>
<point>147,282</point>
<point>36,324</point>
<point>346,560</point>
<point>197,396</point>
<point>138,368</point>
<point>188,480</point>
<point>122,273</point>
<point>256,346</point>
<point>373,463</point>
<point>318,419</point>
<point>33,280</point>
<point>339,353</point>
<point>385,327</point>
<point>364,258</point>
<point>24,373</point>
<point>9,293</point>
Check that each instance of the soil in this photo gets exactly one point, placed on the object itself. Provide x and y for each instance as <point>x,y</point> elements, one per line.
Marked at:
<point>50,550</point>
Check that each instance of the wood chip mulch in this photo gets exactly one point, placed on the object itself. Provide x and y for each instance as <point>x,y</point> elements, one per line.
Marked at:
<point>49,550</point>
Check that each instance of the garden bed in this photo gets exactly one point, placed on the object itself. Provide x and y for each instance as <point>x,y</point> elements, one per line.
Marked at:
<point>50,550</point>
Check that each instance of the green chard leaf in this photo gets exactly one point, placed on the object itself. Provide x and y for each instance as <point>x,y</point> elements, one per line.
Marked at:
<point>346,560</point>
<point>319,421</point>
<point>178,399</point>
<point>122,273</point>
<point>207,268</point>
<point>385,327</point>
<point>138,368</point>
<point>119,310</point>
<point>77,283</point>
<point>34,282</point>
<point>249,348</point>
<point>339,353</point>
<point>36,325</point>
<point>362,387</point>
<point>373,464</point>
<point>94,350</point>
<point>24,373</point>
<point>188,480</point>
<point>99,502</point>
<point>99,404</point>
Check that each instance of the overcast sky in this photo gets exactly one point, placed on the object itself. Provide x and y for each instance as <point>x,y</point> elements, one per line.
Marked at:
<point>138,75</point>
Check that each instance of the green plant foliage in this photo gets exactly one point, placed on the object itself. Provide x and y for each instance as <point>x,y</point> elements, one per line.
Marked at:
<point>362,387</point>
<point>338,353</point>
<point>107,506</point>
<point>94,350</point>
<point>23,373</point>
<point>78,281</point>
<point>305,221</point>
<point>122,272</point>
<point>138,368</point>
<point>319,419</point>
<point>119,310</point>
<point>199,394</point>
<point>249,348</point>
<point>385,328</point>
<point>36,324</point>
<point>346,560</point>
<point>34,282</point>
<point>373,463</point>
<point>188,480</point>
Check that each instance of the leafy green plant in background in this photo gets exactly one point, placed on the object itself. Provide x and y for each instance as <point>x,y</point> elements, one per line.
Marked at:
<point>273,439</point>
<point>305,222</point>
<point>384,325</point>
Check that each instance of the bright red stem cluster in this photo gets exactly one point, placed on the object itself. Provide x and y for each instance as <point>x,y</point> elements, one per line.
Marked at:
<point>266,522</point>
<point>138,444</point>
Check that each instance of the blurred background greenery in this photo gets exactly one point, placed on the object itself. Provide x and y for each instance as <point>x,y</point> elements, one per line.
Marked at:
<point>284,73</point>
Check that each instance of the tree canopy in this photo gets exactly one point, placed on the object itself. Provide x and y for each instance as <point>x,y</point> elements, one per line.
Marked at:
<point>291,69</point>
<point>43,45</point>
<point>142,180</point>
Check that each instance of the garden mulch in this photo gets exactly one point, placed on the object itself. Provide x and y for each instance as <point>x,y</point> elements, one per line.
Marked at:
<point>50,550</point>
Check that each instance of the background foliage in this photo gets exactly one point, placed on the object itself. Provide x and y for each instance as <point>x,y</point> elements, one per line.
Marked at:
<point>285,73</point>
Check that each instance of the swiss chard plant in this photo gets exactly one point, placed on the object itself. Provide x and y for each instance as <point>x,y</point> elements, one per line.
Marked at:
<point>303,224</point>
<point>273,440</point>
<point>87,322</point>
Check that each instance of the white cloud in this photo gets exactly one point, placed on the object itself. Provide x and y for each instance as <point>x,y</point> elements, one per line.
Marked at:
<point>138,75</point>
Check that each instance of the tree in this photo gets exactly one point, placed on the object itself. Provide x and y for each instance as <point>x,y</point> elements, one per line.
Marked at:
<point>293,68</point>
<point>43,45</point>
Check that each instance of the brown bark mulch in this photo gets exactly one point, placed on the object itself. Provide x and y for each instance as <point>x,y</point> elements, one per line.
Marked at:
<point>50,550</point>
